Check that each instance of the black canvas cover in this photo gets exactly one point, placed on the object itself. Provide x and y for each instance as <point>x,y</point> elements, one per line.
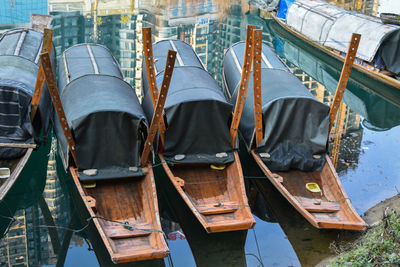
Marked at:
<point>197,114</point>
<point>103,112</point>
<point>295,123</point>
<point>19,59</point>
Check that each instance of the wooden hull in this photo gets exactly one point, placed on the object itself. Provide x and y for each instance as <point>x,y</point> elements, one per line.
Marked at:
<point>375,75</point>
<point>125,200</point>
<point>217,198</point>
<point>16,166</point>
<point>331,208</point>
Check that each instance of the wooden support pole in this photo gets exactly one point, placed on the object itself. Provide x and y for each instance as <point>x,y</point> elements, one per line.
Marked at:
<point>55,97</point>
<point>158,111</point>
<point>151,76</point>
<point>344,77</point>
<point>257,46</point>
<point>244,82</point>
<point>46,48</point>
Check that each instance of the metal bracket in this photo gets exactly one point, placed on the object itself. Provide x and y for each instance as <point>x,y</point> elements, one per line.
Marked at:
<point>244,82</point>
<point>344,77</point>
<point>257,46</point>
<point>46,48</point>
<point>55,97</point>
<point>157,115</point>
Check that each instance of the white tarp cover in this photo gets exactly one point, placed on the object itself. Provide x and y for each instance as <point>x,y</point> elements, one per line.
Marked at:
<point>332,26</point>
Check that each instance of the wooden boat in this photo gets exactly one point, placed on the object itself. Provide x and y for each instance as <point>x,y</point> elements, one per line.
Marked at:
<point>196,152</point>
<point>19,135</point>
<point>292,150</point>
<point>104,157</point>
<point>364,65</point>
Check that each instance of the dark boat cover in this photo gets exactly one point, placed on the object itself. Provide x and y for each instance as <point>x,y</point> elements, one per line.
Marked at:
<point>295,123</point>
<point>196,111</point>
<point>19,59</point>
<point>103,112</point>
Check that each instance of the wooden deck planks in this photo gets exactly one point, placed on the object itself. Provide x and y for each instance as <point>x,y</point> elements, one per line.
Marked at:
<point>328,216</point>
<point>127,200</point>
<point>205,188</point>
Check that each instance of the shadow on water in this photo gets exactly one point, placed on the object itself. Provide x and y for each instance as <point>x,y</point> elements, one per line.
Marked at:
<point>27,189</point>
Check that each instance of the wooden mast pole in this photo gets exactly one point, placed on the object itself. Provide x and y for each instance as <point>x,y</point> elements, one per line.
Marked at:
<point>244,82</point>
<point>151,76</point>
<point>344,77</point>
<point>46,47</point>
<point>257,46</point>
<point>55,97</point>
<point>158,111</point>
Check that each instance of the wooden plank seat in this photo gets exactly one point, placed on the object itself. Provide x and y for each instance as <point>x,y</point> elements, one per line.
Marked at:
<point>120,231</point>
<point>218,208</point>
<point>319,205</point>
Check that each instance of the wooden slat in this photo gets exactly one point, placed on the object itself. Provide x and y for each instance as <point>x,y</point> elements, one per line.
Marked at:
<point>212,209</point>
<point>18,145</point>
<point>318,205</point>
<point>120,232</point>
<point>158,111</point>
<point>257,51</point>
<point>244,81</point>
<point>46,48</point>
<point>151,75</point>
<point>344,77</point>
<point>55,97</point>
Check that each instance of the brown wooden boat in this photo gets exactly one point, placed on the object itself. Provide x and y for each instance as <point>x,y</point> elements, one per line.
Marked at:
<point>125,213</point>
<point>216,197</point>
<point>114,179</point>
<point>374,74</point>
<point>196,151</point>
<point>286,130</point>
<point>332,209</point>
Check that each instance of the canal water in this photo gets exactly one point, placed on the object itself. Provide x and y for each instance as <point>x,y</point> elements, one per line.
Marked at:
<point>39,223</point>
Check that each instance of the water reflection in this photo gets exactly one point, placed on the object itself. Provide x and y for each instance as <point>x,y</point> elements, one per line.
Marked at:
<point>364,145</point>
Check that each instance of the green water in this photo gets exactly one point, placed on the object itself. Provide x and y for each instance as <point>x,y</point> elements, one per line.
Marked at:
<point>367,160</point>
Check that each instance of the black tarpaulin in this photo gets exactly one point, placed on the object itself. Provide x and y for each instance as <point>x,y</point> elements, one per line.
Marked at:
<point>295,122</point>
<point>103,111</point>
<point>196,111</point>
<point>19,59</point>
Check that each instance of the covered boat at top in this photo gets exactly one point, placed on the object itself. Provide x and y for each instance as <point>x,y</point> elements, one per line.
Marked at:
<point>328,28</point>
<point>19,135</point>
<point>109,129</point>
<point>332,26</point>
<point>293,149</point>
<point>198,156</point>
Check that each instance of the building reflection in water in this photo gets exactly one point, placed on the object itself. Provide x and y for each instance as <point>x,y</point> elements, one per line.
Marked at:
<point>28,241</point>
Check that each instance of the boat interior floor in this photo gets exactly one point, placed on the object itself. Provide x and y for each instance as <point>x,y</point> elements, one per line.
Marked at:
<point>216,196</point>
<point>124,209</point>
